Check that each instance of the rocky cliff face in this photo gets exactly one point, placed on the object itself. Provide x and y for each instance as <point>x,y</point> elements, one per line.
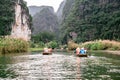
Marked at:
<point>60,11</point>
<point>44,20</point>
<point>36,9</point>
<point>64,10</point>
<point>33,10</point>
<point>21,25</point>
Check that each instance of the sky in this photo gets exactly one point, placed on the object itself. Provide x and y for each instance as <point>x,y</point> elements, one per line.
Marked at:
<point>54,3</point>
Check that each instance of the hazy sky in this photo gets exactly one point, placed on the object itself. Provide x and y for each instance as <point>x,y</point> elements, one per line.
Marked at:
<point>54,3</point>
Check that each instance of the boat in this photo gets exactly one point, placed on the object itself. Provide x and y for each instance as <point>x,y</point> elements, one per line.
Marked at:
<point>81,55</point>
<point>47,53</point>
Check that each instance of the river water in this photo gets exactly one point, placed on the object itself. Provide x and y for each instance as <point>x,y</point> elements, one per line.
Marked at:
<point>59,66</point>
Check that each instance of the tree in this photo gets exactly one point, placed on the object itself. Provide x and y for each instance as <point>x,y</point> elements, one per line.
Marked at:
<point>43,36</point>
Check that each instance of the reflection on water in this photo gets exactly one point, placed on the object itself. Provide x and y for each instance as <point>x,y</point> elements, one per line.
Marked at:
<point>5,71</point>
<point>59,66</point>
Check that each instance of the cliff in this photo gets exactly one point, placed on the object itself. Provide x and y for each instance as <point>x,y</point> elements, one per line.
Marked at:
<point>33,10</point>
<point>64,9</point>
<point>60,11</point>
<point>36,9</point>
<point>44,20</point>
<point>15,20</point>
<point>6,16</point>
<point>21,26</point>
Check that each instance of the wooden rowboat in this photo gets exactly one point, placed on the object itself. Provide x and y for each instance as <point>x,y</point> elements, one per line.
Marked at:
<point>81,55</point>
<point>47,53</point>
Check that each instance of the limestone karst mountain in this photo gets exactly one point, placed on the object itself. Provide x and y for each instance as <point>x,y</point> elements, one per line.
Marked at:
<point>64,9</point>
<point>15,19</point>
<point>44,19</point>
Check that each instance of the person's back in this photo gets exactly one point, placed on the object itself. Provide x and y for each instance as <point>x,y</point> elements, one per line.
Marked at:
<point>82,51</point>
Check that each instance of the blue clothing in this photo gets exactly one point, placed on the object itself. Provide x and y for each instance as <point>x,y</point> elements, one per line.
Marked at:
<point>82,51</point>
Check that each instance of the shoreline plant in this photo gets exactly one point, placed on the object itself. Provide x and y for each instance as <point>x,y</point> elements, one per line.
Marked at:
<point>102,45</point>
<point>96,45</point>
<point>10,45</point>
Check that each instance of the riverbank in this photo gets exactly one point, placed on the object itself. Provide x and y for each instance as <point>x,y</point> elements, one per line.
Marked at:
<point>11,45</point>
<point>107,51</point>
<point>113,52</point>
<point>35,49</point>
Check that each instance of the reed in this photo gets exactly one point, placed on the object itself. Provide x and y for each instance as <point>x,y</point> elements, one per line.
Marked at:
<point>72,45</point>
<point>10,45</point>
<point>111,45</point>
<point>102,45</point>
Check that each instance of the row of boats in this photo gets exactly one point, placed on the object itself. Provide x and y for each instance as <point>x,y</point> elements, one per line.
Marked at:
<point>49,52</point>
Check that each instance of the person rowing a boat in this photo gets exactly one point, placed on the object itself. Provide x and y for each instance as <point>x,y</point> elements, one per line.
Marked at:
<point>77,50</point>
<point>50,50</point>
<point>45,49</point>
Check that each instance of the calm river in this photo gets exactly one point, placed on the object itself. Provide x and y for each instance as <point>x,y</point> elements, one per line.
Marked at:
<point>59,66</point>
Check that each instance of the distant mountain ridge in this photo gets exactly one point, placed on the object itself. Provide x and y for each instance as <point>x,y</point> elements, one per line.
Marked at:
<point>35,9</point>
<point>44,19</point>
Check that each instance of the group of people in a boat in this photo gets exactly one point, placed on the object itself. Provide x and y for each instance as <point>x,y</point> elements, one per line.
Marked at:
<point>80,50</point>
<point>47,49</point>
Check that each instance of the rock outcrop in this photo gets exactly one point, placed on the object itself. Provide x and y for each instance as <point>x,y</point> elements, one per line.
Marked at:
<point>21,27</point>
<point>64,10</point>
<point>60,11</point>
<point>33,10</point>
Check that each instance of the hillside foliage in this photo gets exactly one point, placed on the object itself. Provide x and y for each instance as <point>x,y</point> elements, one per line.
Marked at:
<point>6,16</point>
<point>93,19</point>
<point>43,37</point>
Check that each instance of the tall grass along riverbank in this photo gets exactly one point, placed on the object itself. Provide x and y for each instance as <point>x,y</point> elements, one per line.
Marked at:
<point>96,45</point>
<point>9,45</point>
<point>102,45</point>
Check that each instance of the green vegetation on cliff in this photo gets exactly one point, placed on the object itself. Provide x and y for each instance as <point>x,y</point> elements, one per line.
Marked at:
<point>7,20</point>
<point>6,16</point>
<point>93,19</point>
